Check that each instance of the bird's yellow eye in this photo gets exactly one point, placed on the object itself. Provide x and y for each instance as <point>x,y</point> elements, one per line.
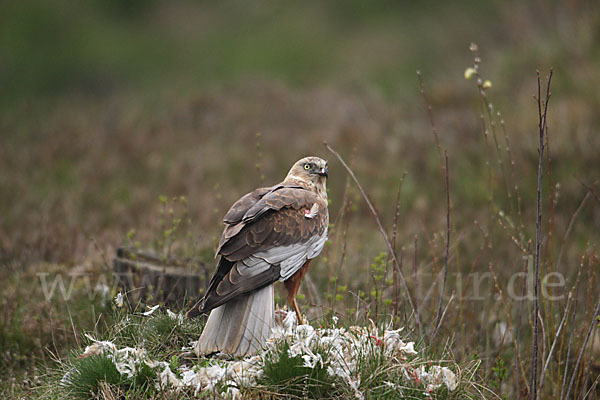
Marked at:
<point>306,166</point>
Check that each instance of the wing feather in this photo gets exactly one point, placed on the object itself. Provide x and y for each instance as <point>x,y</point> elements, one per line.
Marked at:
<point>267,237</point>
<point>240,207</point>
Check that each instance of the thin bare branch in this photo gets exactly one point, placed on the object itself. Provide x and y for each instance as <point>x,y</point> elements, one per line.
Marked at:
<point>438,318</point>
<point>382,231</point>
<point>593,322</point>
<point>394,233</point>
<point>430,116</point>
<point>562,322</point>
<point>538,232</point>
<point>591,190</point>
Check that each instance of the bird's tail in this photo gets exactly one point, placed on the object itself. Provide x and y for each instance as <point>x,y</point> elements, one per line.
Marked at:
<point>239,327</point>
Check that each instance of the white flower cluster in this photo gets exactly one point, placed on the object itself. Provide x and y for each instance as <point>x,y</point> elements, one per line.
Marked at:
<point>225,377</point>
<point>127,360</point>
<point>342,347</point>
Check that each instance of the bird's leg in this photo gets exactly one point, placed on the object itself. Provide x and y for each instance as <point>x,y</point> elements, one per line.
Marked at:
<point>292,285</point>
<point>295,305</point>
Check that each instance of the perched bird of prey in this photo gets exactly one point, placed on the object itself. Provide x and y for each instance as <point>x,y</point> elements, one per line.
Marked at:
<point>270,234</point>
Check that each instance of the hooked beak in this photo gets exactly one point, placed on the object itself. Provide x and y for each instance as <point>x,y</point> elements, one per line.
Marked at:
<point>323,172</point>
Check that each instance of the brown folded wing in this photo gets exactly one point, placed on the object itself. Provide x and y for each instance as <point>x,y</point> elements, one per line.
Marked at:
<point>265,219</point>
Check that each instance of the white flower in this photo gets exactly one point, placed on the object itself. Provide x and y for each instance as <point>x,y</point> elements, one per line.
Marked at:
<point>437,376</point>
<point>177,317</point>
<point>119,300</point>
<point>151,310</point>
<point>290,321</point>
<point>93,349</point>
<point>392,341</point>
<point>167,377</point>
<point>232,390</point>
<point>66,379</point>
<point>408,348</point>
<point>449,378</point>
<point>191,379</point>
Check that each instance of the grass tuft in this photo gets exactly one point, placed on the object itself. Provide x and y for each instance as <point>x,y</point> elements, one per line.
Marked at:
<point>87,375</point>
<point>289,375</point>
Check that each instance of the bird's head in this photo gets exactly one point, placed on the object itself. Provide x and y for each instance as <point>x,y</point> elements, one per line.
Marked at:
<point>310,170</point>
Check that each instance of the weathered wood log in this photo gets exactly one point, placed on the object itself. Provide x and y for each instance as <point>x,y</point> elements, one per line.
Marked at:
<point>150,278</point>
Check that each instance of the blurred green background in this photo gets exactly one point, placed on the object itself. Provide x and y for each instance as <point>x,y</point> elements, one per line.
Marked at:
<point>97,47</point>
<point>54,48</point>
